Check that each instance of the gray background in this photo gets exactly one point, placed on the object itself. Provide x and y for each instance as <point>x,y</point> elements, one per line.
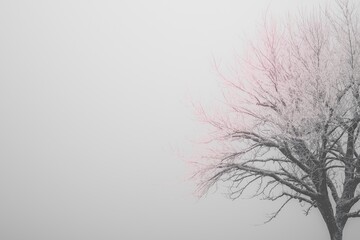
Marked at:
<point>96,121</point>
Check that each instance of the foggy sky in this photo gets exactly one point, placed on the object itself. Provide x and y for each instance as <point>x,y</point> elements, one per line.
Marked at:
<point>96,120</point>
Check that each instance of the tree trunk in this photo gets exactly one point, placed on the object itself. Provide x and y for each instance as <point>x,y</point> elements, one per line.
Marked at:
<point>334,225</point>
<point>336,234</point>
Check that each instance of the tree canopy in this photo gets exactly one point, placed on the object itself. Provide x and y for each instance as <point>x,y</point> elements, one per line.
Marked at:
<point>290,125</point>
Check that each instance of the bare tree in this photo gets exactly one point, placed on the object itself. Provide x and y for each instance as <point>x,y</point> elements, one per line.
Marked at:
<point>291,127</point>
